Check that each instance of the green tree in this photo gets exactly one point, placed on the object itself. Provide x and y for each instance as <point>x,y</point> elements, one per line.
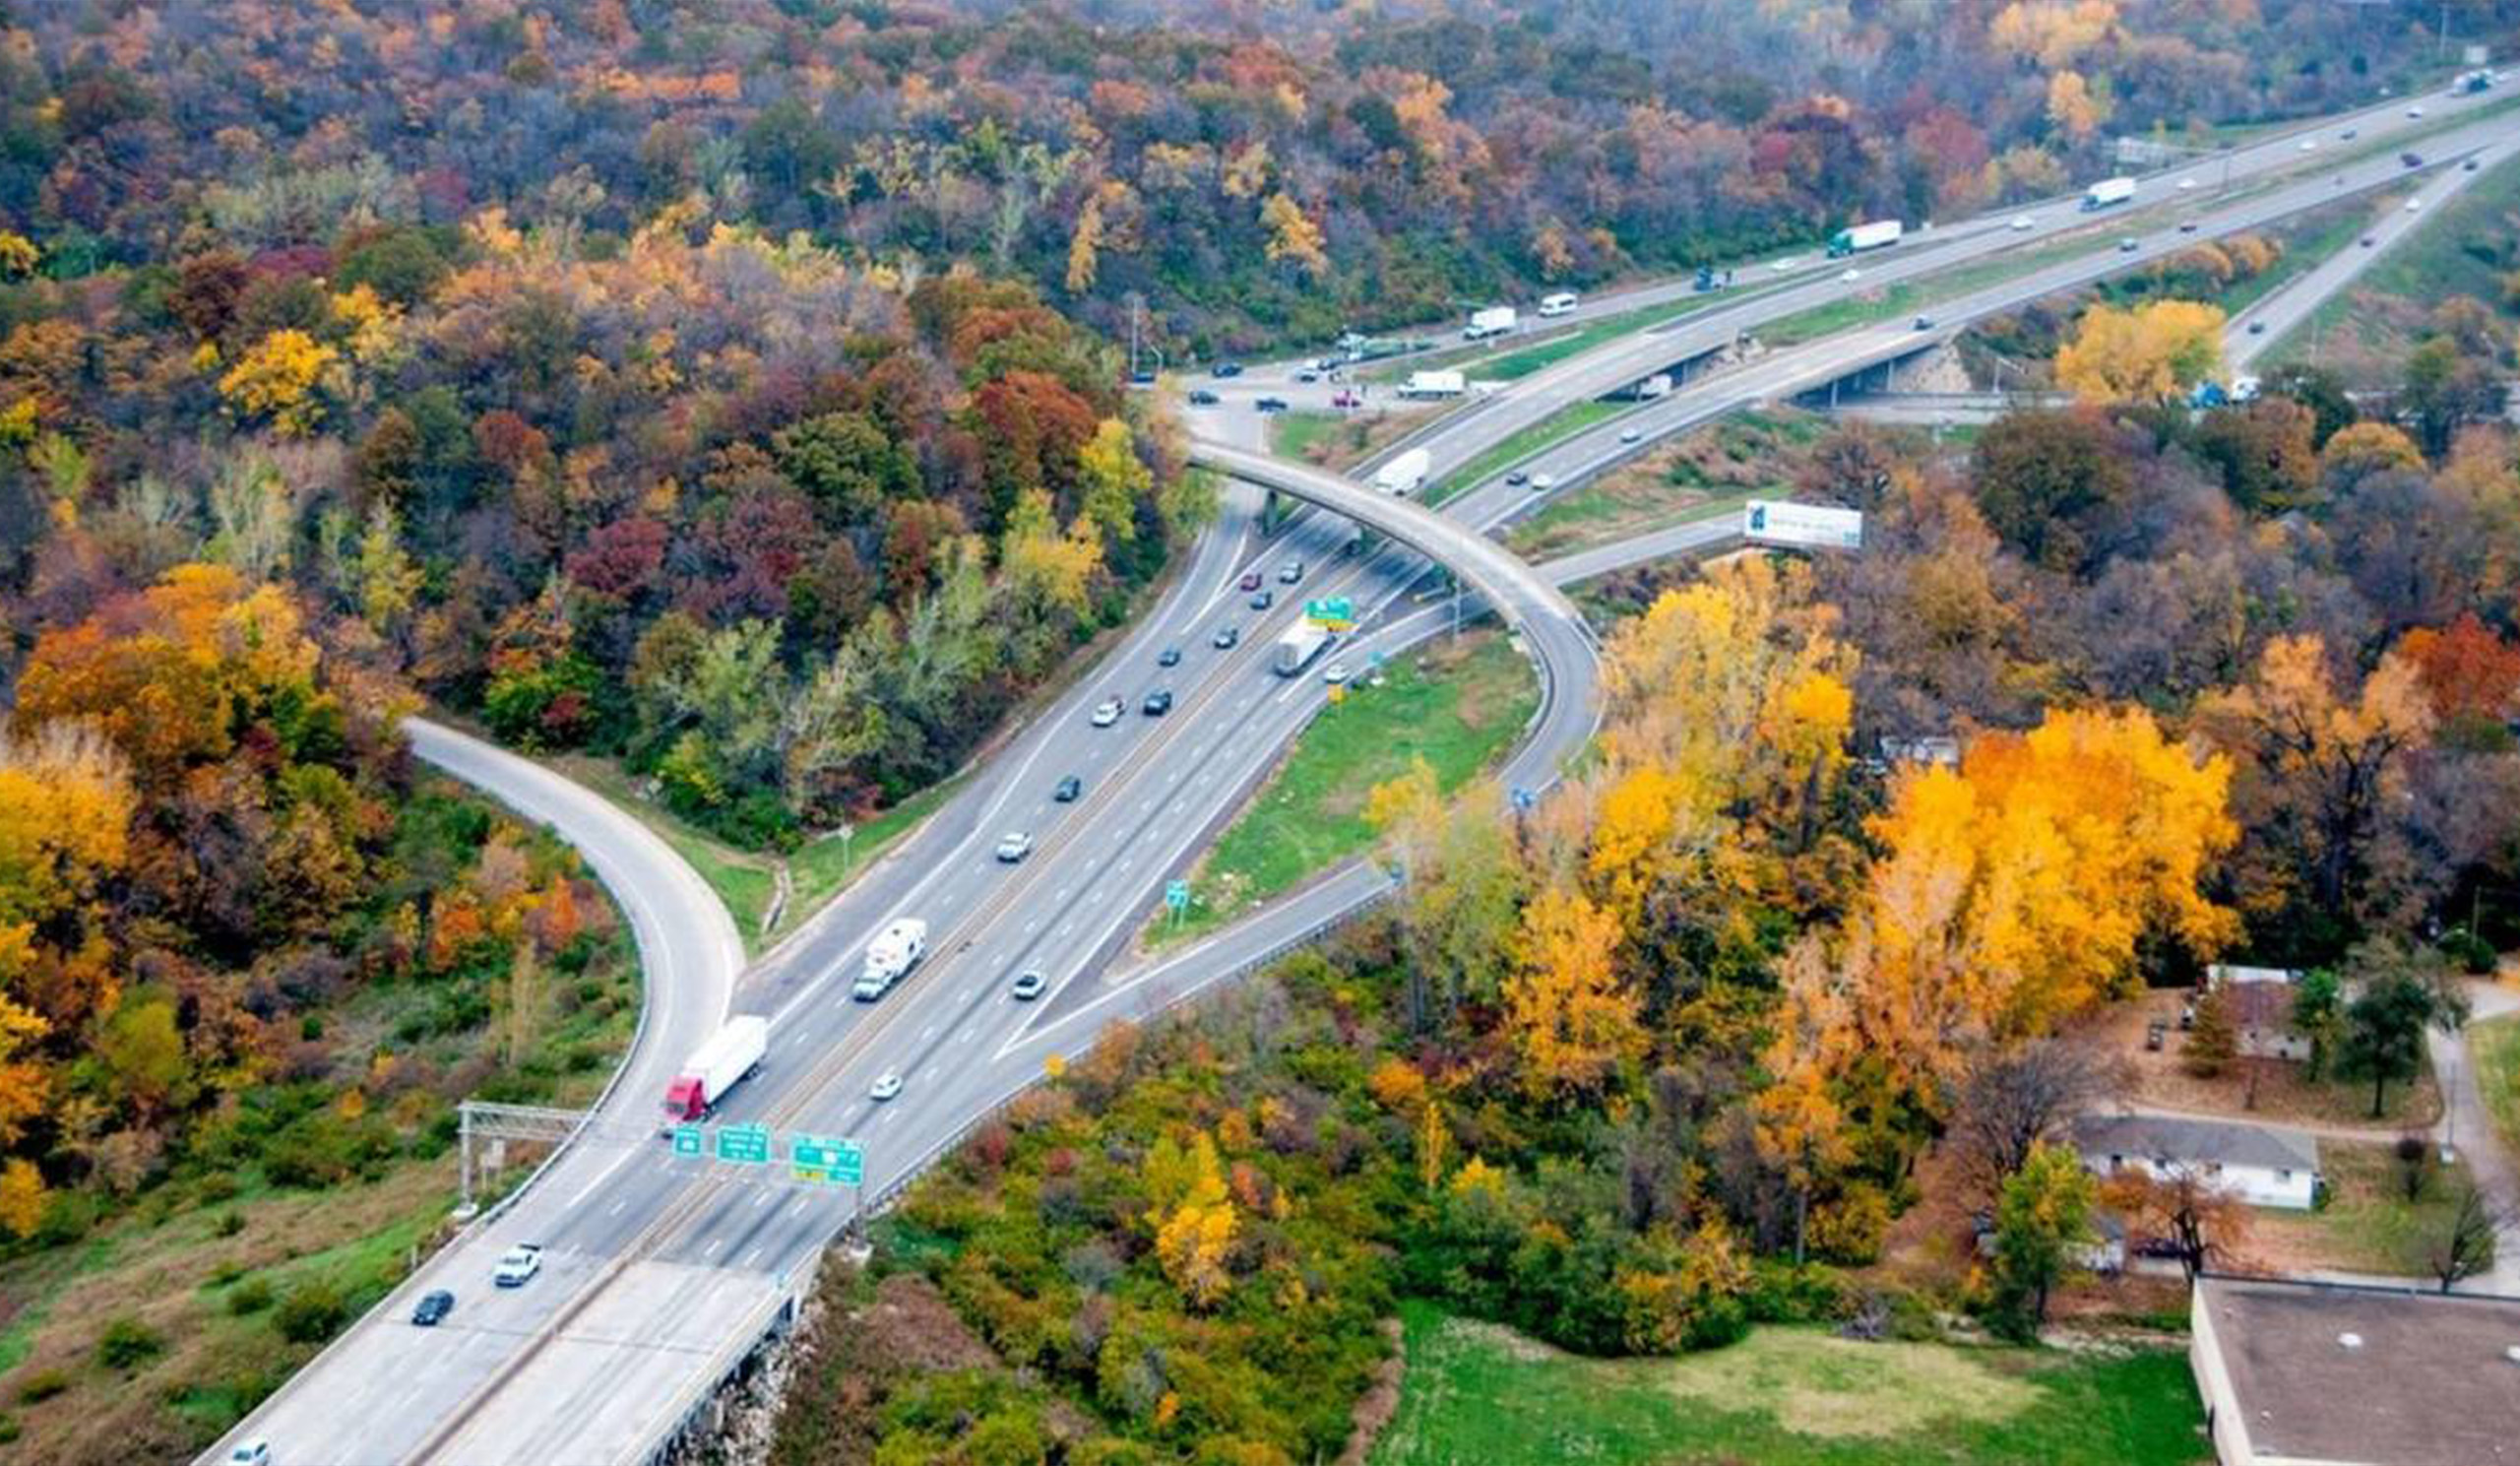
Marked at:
<point>2403,993</point>
<point>2042,1221</point>
<point>846,464</point>
<point>2318,1015</point>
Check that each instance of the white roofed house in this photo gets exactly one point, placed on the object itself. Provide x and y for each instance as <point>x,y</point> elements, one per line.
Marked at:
<point>2263,1164</point>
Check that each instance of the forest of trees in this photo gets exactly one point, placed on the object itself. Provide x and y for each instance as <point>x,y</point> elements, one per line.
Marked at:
<point>1676,1051</point>
<point>1246,169</point>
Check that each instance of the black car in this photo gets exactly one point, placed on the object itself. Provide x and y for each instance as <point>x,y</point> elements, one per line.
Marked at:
<point>2411,160</point>
<point>1201,397</point>
<point>433,1307</point>
<point>1263,599</point>
<point>2469,167</point>
<point>1158,703</point>
<point>1068,790</point>
<point>1225,638</point>
<point>1169,657</point>
<point>1227,369</point>
<point>1270,405</point>
<point>1517,478</point>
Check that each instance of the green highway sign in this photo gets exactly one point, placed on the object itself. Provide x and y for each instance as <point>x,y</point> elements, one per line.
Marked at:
<point>744,1145</point>
<point>1337,610</point>
<point>827,1159</point>
<point>1177,894</point>
<point>687,1142</point>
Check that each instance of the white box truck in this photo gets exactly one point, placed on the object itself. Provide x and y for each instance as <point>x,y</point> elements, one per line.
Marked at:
<point>731,1055</point>
<point>1405,475</point>
<point>1878,234</point>
<point>1423,384</point>
<point>1560,305</point>
<point>2106,192</point>
<point>1494,320</point>
<point>1297,645</point>
<point>890,956</point>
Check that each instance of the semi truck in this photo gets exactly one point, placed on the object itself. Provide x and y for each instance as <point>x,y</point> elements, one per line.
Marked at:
<point>1298,644</point>
<point>890,956</point>
<point>2106,192</point>
<point>1405,475</point>
<point>1494,320</point>
<point>1434,384</point>
<point>1855,239</point>
<point>730,1057</point>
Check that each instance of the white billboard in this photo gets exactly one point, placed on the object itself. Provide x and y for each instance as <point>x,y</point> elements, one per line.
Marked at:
<point>1802,525</point>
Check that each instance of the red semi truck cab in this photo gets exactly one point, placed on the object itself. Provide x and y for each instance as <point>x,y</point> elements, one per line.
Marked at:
<point>722,1063</point>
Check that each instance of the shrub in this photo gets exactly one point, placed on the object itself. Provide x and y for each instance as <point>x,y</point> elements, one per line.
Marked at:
<point>310,1313</point>
<point>42,1385</point>
<point>249,1297</point>
<point>230,1223</point>
<point>128,1343</point>
<point>1782,1293</point>
<point>2473,954</point>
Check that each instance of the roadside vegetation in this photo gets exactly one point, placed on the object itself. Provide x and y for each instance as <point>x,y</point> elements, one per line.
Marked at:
<point>1700,474</point>
<point>1555,429</point>
<point>1456,706</point>
<point>2453,276</point>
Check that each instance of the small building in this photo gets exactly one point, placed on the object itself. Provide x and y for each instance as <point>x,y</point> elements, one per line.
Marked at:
<point>2265,1165</point>
<point>2105,1253</point>
<point>1930,750</point>
<point>2296,1374</point>
<point>2262,1006</point>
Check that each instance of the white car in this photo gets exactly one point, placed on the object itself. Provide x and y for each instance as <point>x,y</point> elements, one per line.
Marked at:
<point>1014,847</point>
<point>2187,185</point>
<point>1107,711</point>
<point>887,1085</point>
<point>1631,435</point>
<point>257,1453</point>
<point>1334,673</point>
<point>2413,205</point>
<point>1782,265</point>
<point>1850,275</point>
<point>1543,483</point>
<point>2309,145</point>
<point>2414,112</point>
<point>518,1265</point>
<point>2021,222</point>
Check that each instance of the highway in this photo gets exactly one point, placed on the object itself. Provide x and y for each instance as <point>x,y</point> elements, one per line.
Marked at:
<point>656,1267</point>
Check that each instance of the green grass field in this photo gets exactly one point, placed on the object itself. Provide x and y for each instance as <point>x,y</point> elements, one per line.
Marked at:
<point>2368,1224</point>
<point>2495,1046</point>
<point>1456,706</point>
<point>1784,1397</point>
<point>1558,427</point>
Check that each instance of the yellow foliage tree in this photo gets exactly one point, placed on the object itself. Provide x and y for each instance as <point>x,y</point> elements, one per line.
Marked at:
<point>1193,1216</point>
<point>22,1197</point>
<point>1085,246</point>
<point>1044,566</point>
<point>2360,450</point>
<point>1569,1014</point>
<point>276,379</point>
<point>1293,236</point>
<point>2145,354</point>
<point>2073,106</point>
<point>2015,890</point>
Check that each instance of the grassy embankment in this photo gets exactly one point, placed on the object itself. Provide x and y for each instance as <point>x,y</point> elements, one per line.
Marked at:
<point>1457,704</point>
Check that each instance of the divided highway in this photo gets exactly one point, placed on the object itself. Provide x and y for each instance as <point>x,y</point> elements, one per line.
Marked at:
<point>658,1272</point>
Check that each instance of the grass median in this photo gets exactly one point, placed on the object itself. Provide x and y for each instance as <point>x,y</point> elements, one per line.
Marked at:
<point>1456,704</point>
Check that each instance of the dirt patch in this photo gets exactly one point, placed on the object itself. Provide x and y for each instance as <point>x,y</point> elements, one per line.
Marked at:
<point>1380,1401</point>
<point>2260,1089</point>
<point>1520,1348</point>
<point>1837,1389</point>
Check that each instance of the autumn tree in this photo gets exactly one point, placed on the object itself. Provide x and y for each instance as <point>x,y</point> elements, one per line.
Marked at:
<point>2015,1096</point>
<point>1566,1007</point>
<point>277,380</point>
<point>1193,1217</point>
<point>2317,768</point>
<point>2197,1213</point>
<point>1462,878</point>
<point>2153,352</point>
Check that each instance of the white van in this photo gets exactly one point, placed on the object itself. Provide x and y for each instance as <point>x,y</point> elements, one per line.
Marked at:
<point>1560,304</point>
